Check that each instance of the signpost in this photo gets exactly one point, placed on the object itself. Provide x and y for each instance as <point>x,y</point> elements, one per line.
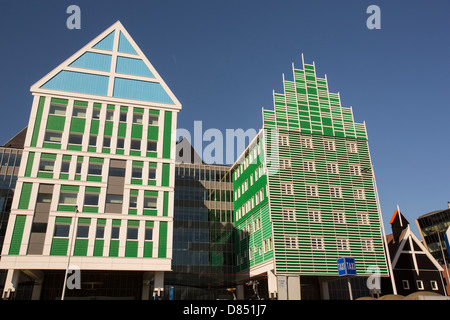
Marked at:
<point>347,268</point>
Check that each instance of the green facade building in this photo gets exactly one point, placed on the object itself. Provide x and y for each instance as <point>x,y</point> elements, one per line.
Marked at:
<point>305,195</point>
<point>96,183</point>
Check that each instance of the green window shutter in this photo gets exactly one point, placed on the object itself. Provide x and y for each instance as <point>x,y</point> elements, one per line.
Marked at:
<point>81,246</point>
<point>16,239</point>
<point>162,249</point>
<point>37,123</point>
<point>166,204</point>
<point>114,248</point>
<point>25,195</point>
<point>29,166</point>
<point>167,140</point>
<point>131,249</point>
<point>59,247</point>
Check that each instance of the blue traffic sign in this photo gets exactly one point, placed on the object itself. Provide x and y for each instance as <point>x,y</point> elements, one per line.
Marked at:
<point>346,266</point>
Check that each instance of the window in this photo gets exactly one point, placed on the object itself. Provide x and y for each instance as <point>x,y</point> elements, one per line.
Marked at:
<point>68,198</point>
<point>362,218</point>
<point>314,216</point>
<point>114,198</point>
<point>95,169</point>
<point>283,140</point>
<point>419,284</point>
<point>434,285</point>
<point>83,231</point>
<point>343,244</point>
<point>351,147</point>
<point>44,197</point>
<point>61,230</point>
<point>312,190</point>
<point>135,144</point>
<point>54,137</point>
<point>150,202</point>
<point>152,173</point>
<point>137,118</point>
<point>148,234</point>
<point>285,163</point>
<point>152,145</point>
<point>332,167</point>
<point>115,231</point>
<point>317,243</point>
<point>287,188</point>
<point>306,143</point>
<point>116,172</point>
<point>336,192</point>
<point>358,194</point>
<point>123,116</point>
<point>288,214</point>
<point>355,170</point>
<point>329,145</point>
<point>405,284</point>
<point>309,166</point>
<point>120,143</point>
<point>96,113</point>
<point>57,110</point>
<point>75,138</point>
<point>100,232</point>
<point>106,142</point>
<point>92,140</point>
<point>79,112</point>
<point>268,245</point>
<point>136,172</point>
<point>290,242</point>
<point>46,165</point>
<point>132,233</point>
<point>367,245</point>
<point>65,166</point>
<point>339,217</point>
<point>133,201</point>
<point>153,120</point>
<point>109,115</point>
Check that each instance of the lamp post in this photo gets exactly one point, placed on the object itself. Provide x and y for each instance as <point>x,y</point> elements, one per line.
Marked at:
<point>394,287</point>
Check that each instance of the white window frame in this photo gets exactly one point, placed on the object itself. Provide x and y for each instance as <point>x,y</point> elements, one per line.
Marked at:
<point>286,188</point>
<point>329,145</point>
<point>359,194</point>
<point>343,244</point>
<point>355,170</point>
<point>288,214</point>
<point>283,140</point>
<point>332,168</point>
<point>306,142</point>
<point>312,190</point>
<point>405,284</point>
<point>336,192</point>
<point>434,285</point>
<point>351,147</point>
<point>419,284</point>
<point>362,218</point>
<point>290,242</point>
<point>314,216</point>
<point>285,163</point>
<point>309,166</point>
<point>317,243</point>
<point>339,217</point>
<point>367,245</point>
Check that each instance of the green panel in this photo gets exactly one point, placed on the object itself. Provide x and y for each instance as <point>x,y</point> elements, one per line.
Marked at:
<point>74,147</point>
<point>153,133</point>
<point>45,175</point>
<point>98,247</point>
<point>122,130</point>
<point>81,247</point>
<point>136,131</point>
<point>29,166</point>
<point>167,139</point>
<point>37,123</point>
<point>108,128</point>
<point>60,101</point>
<point>25,195</point>
<point>56,123</point>
<point>80,103</point>
<point>162,248</point>
<point>148,249</point>
<point>63,220</point>
<point>166,204</point>
<point>95,124</point>
<point>59,247</point>
<point>131,249</point>
<point>77,125</point>
<point>16,239</point>
<point>114,248</point>
<point>70,188</point>
<point>165,174</point>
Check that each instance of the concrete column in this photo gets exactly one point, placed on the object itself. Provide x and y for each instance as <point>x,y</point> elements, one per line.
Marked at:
<point>38,277</point>
<point>240,292</point>
<point>282,287</point>
<point>294,292</point>
<point>324,292</point>
<point>11,282</point>
<point>158,283</point>
<point>146,277</point>
<point>272,284</point>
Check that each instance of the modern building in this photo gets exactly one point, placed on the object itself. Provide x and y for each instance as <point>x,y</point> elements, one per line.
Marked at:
<point>414,268</point>
<point>432,227</point>
<point>95,188</point>
<point>203,231</point>
<point>305,196</point>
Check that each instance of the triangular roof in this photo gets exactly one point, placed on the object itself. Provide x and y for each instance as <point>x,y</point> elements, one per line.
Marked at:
<point>111,65</point>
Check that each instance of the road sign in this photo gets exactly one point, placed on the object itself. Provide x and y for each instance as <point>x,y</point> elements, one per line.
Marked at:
<point>346,266</point>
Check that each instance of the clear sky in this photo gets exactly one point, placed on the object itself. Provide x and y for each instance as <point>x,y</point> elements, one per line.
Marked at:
<point>223,59</point>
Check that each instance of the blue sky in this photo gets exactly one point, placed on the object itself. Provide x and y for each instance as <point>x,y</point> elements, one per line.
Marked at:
<point>223,59</point>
